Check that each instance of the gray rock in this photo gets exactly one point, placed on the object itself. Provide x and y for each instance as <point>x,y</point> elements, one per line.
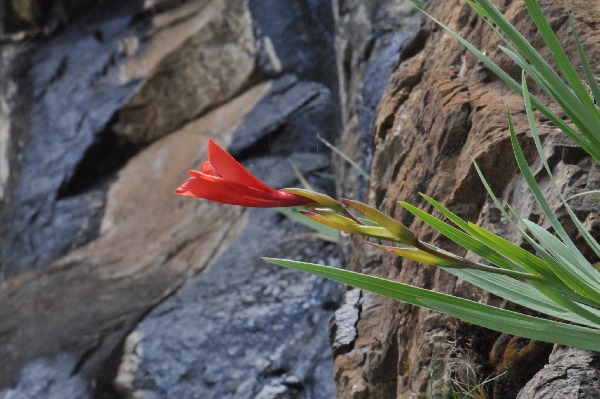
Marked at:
<point>242,329</point>
<point>73,139</point>
<point>48,378</point>
<point>277,170</point>
<point>245,328</point>
<point>570,374</point>
<point>387,49</point>
<point>73,91</point>
<point>343,326</point>
<point>287,120</point>
<point>300,38</point>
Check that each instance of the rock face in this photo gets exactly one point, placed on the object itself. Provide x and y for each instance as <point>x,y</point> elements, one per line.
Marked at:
<point>49,378</point>
<point>113,287</point>
<point>441,110</point>
<point>570,373</point>
<point>243,329</point>
<point>101,118</point>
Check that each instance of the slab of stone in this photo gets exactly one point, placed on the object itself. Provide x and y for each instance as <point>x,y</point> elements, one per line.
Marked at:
<point>288,120</point>
<point>98,91</point>
<point>198,56</point>
<point>570,374</point>
<point>245,328</point>
<point>299,41</point>
<point>68,91</point>
<point>49,378</point>
<point>152,242</point>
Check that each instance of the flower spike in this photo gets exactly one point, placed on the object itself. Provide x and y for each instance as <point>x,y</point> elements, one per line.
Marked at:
<point>396,229</point>
<point>225,181</point>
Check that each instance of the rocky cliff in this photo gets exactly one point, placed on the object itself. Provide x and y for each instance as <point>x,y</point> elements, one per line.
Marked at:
<point>441,110</point>
<point>103,111</point>
<point>113,287</point>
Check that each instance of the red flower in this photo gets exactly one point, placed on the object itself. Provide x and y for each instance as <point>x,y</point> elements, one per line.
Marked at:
<point>225,181</point>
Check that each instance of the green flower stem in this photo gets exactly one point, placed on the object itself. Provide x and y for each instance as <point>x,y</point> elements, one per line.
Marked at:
<point>463,263</point>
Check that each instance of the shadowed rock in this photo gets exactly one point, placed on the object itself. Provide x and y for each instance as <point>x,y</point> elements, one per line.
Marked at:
<point>152,242</point>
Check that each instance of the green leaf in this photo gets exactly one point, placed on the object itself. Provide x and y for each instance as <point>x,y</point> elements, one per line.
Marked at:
<point>498,18</point>
<point>396,228</point>
<point>565,98</point>
<point>356,166</point>
<point>591,79</point>
<point>572,268</point>
<point>573,103</point>
<point>561,58</point>
<point>325,175</point>
<point>417,3</point>
<point>478,9</point>
<point>582,230</point>
<point>539,296</point>
<point>463,239</point>
<point>591,192</point>
<point>530,179</point>
<point>470,311</point>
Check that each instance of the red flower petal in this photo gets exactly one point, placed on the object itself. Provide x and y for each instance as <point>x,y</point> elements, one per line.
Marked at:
<point>226,192</point>
<point>226,166</point>
<point>224,180</point>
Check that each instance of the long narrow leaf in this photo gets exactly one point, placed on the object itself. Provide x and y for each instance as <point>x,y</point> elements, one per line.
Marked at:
<point>561,57</point>
<point>533,186</point>
<point>574,270</point>
<point>557,268</point>
<point>551,302</point>
<point>582,230</point>
<point>353,163</point>
<point>333,234</point>
<point>463,239</point>
<point>591,79</point>
<point>555,119</point>
<point>537,296</point>
<point>565,98</point>
<point>470,311</point>
<point>587,117</point>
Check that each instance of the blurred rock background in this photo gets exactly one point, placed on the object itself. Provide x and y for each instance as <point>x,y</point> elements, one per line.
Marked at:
<point>105,105</point>
<point>114,287</point>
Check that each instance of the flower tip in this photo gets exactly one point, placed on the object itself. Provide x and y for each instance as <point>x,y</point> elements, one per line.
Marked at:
<point>351,203</point>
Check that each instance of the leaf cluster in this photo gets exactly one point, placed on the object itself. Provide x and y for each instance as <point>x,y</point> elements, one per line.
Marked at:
<point>558,281</point>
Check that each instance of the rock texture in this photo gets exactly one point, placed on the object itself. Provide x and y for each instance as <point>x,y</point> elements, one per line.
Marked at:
<point>110,286</point>
<point>243,329</point>
<point>441,110</point>
<point>101,116</point>
<point>199,57</point>
<point>113,287</point>
<point>49,378</point>
<point>71,87</point>
<point>570,373</point>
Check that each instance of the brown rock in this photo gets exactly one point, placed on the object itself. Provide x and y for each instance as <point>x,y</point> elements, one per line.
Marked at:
<point>198,57</point>
<point>441,110</point>
<point>153,242</point>
<point>516,361</point>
